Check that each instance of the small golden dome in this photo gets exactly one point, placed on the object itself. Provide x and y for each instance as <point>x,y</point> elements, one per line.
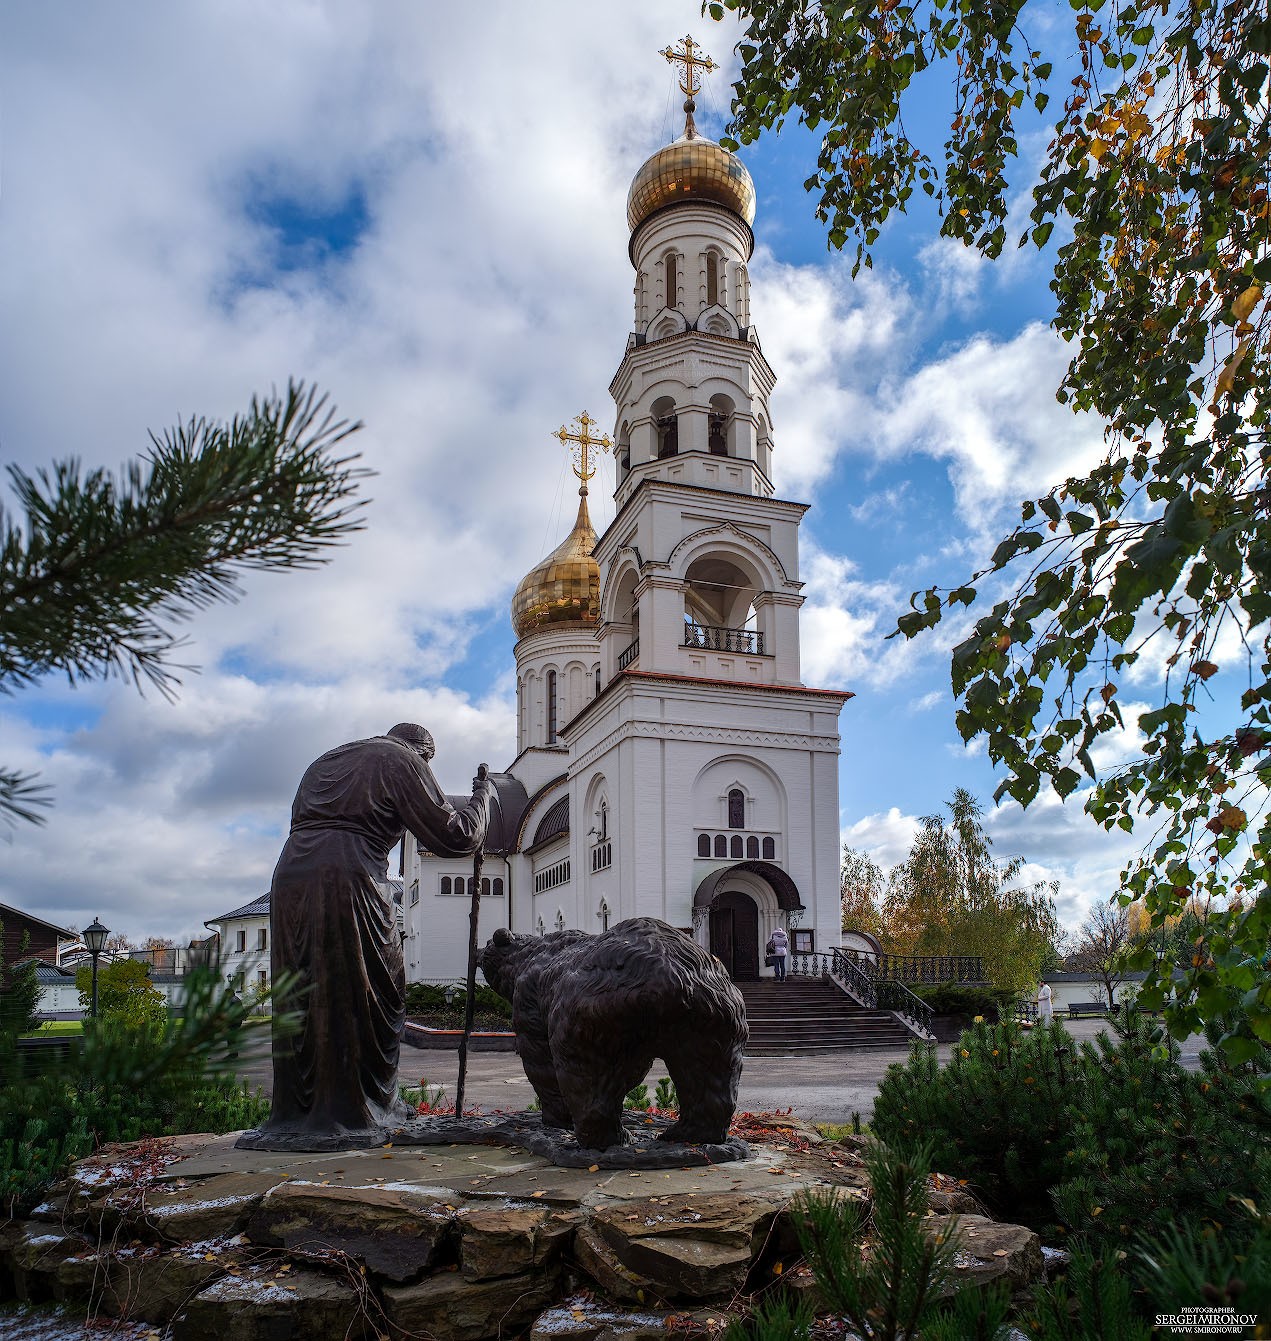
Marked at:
<point>690,169</point>
<point>565,587</point>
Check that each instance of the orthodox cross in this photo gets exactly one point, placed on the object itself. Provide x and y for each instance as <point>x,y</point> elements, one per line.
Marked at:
<point>690,61</point>
<point>583,442</point>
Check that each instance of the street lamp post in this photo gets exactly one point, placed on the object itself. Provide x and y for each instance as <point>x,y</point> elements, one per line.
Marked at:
<point>95,939</point>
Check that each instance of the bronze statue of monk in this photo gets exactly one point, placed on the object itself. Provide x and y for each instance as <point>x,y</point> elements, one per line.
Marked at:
<point>335,929</point>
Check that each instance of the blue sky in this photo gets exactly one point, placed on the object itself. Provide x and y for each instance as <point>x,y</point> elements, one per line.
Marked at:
<point>426,216</point>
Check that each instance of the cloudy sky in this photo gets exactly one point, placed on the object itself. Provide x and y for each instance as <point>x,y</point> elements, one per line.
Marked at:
<point>424,214</point>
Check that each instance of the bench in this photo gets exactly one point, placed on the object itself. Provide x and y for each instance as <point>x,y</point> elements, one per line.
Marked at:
<point>1079,1008</point>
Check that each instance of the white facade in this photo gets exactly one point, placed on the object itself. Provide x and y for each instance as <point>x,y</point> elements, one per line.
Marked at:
<point>244,945</point>
<point>673,764</point>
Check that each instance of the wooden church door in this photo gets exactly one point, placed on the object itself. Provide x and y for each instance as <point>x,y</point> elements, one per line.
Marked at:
<point>735,934</point>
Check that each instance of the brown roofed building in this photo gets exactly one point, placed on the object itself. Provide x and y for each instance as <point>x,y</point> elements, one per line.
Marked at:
<point>26,936</point>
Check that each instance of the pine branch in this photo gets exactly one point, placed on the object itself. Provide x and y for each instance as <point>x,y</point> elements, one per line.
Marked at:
<point>98,569</point>
<point>20,796</point>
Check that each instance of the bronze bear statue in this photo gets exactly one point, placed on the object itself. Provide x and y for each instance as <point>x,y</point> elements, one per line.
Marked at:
<point>592,1012</point>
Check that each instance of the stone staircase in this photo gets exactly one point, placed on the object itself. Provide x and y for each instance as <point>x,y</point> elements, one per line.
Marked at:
<point>807,1015</point>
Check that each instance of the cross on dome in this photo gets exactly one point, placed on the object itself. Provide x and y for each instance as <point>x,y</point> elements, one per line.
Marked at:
<point>583,442</point>
<point>690,62</point>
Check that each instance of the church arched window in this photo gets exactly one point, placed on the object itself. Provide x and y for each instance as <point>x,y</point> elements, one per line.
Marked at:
<point>667,426</point>
<point>604,821</point>
<point>551,707</point>
<point>498,886</point>
<point>736,809</point>
<point>542,927</point>
<point>720,421</point>
<point>445,884</point>
<point>769,850</point>
<point>703,845</point>
<point>485,887</point>
<point>712,278</point>
<point>735,847</point>
<point>752,847</point>
<point>560,920</point>
<point>604,915</point>
<point>597,681</point>
<point>721,845</point>
<point>672,281</point>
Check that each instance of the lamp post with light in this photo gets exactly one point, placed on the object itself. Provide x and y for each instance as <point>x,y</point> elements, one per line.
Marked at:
<point>95,939</point>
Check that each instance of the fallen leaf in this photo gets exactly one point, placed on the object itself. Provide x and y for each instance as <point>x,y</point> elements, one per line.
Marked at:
<point>1000,1252</point>
<point>593,1168</point>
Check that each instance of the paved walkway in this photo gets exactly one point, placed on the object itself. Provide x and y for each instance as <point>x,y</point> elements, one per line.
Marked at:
<point>827,1088</point>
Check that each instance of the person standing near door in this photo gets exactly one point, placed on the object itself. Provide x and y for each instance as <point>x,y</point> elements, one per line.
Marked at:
<point>779,949</point>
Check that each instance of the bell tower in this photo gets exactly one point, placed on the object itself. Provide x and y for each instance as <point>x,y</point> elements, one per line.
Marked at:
<point>693,435</point>
<point>720,767</point>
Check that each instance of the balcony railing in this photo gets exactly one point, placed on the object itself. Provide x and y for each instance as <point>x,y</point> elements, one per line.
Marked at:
<point>630,655</point>
<point>714,638</point>
<point>602,855</point>
<point>925,969</point>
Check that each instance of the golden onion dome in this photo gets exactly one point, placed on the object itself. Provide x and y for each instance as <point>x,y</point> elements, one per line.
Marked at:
<point>565,587</point>
<point>690,169</point>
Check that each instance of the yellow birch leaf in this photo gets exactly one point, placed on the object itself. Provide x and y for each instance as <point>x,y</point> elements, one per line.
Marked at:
<point>1247,301</point>
<point>1227,378</point>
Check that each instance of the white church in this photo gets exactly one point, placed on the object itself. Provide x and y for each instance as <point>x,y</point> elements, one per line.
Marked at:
<point>670,760</point>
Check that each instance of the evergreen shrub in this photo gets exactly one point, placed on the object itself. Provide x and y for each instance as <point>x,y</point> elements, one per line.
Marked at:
<point>995,1115</point>
<point>428,999</point>
<point>122,1084</point>
<point>958,998</point>
<point>1114,1136</point>
<point>1154,1145</point>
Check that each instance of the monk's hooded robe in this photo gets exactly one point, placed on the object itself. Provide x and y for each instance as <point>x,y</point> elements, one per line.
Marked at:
<point>335,929</point>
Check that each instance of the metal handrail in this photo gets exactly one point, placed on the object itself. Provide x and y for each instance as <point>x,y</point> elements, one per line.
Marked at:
<point>717,638</point>
<point>628,655</point>
<point>854,978</point>
<point>897,998</point>
<point>925,969</point>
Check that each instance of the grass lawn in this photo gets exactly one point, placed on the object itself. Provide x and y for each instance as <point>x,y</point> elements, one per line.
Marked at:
<point>53,1027</point>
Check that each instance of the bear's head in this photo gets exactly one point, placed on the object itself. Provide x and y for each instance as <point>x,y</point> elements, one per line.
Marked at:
<point>507,957</point>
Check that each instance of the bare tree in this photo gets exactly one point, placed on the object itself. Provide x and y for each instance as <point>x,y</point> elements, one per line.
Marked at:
<point>1101,946</point>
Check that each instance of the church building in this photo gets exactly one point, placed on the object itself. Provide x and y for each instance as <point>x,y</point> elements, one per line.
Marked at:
<point>670,760</point>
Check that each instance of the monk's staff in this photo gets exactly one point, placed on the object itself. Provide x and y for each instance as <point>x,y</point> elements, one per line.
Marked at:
<point>469,1000</point>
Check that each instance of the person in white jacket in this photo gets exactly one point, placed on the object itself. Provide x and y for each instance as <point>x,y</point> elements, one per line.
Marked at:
<point>1045,1006</point>
<point>779,947</point>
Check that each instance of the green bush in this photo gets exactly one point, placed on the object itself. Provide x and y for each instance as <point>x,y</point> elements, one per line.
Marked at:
<point>124,993</point>
<point>1154,1146</point>
<point>956,998</point>
<point>19,995</point>
<point>425,998</point>
<point>122,1084</point>
<point>995,1115</point>
<point>1114,1136</point>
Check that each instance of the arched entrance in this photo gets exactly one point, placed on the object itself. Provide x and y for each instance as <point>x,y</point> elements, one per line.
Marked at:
<point>734,902</point>
<point>734,931</point>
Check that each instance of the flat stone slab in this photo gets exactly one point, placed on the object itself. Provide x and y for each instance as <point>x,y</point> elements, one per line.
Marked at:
<point>394,1231</point>
<point>644,1148</point>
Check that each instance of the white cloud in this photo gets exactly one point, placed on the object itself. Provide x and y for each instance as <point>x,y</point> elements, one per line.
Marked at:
<point>989,409</point>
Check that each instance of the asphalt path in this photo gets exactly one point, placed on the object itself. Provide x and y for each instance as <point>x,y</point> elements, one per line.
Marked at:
<point>829,1087</point>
